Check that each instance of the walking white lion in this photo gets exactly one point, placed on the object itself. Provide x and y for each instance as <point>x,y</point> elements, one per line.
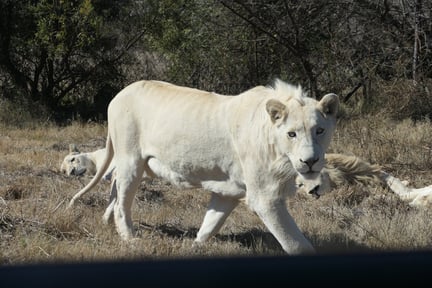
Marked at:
<point>250,146</point>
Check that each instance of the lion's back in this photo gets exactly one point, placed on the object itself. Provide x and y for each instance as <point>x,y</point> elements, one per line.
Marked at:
<point>188,131</point>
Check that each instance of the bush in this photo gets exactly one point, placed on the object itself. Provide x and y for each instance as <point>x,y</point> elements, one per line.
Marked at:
<point>21,113</point>
<point>403,99</point>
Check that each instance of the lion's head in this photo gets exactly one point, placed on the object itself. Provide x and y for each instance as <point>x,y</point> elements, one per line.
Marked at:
<point>314,186</point>
<point>77,163</point>
<point>303,128</point>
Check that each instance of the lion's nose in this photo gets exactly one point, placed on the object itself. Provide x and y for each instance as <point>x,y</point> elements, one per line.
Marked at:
<point>310,162</point>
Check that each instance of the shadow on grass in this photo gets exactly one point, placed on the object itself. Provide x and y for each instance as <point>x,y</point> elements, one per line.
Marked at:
<point>338,243</point>
<point>254,239</point>
<point>259,240</point>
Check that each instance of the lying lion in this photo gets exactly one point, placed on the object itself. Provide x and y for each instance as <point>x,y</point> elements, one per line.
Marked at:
<point>343,169</point>
<point>78,163</point>
<point>339,170</point>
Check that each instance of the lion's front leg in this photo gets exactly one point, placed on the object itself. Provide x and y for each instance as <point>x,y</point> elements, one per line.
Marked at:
<point>274,214</point>
<point>220,207</point>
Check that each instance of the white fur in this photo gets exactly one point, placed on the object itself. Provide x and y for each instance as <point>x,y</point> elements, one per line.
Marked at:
<point>247,146</point>
<point>417,197</point>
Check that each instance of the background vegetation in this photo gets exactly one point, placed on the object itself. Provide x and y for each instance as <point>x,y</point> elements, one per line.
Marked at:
<point>68,59</point>
<point>61,62</point>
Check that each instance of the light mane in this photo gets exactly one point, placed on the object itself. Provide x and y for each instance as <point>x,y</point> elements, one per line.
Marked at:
<point>286,92</point>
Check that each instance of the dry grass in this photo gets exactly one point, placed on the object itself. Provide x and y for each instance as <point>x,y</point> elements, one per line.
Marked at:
<point>35,227</point>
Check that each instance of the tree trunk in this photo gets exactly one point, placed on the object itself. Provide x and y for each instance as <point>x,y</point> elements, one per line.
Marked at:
<point>417,10</point>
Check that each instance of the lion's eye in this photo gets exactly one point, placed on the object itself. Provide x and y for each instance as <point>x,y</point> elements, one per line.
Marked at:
<point>72,160</point>
<point>292,134</point>
<point>320,131</point>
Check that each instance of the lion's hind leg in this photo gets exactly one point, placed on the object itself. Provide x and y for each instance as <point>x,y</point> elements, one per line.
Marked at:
<point>128,177</point>
<point>424,197</point>
<point>108,216</point>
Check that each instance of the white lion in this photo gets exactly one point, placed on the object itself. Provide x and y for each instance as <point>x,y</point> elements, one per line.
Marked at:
<point>247,146</point>
<point>78,163</point>
<point>343,169</point>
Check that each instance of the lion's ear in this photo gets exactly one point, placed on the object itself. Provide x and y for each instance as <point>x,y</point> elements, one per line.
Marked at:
<point>275,109</point>
<point>73,148</point>
<point>329,104</point>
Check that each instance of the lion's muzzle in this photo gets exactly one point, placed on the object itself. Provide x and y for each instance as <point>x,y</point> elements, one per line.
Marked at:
<point>77,171</point>
<point>314,192</point>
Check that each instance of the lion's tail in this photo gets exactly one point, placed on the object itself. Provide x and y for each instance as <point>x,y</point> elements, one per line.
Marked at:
<point>109,153</point>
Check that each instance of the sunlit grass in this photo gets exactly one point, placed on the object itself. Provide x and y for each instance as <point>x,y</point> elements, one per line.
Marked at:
<point>36,227</point>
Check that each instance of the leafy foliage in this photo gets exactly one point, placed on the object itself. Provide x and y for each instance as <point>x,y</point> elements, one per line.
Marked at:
<point>76,55</point>
<point>54,51</point>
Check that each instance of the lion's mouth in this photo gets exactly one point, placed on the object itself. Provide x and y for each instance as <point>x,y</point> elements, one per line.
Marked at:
<point>78,172</point>
<point>314,192</point>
